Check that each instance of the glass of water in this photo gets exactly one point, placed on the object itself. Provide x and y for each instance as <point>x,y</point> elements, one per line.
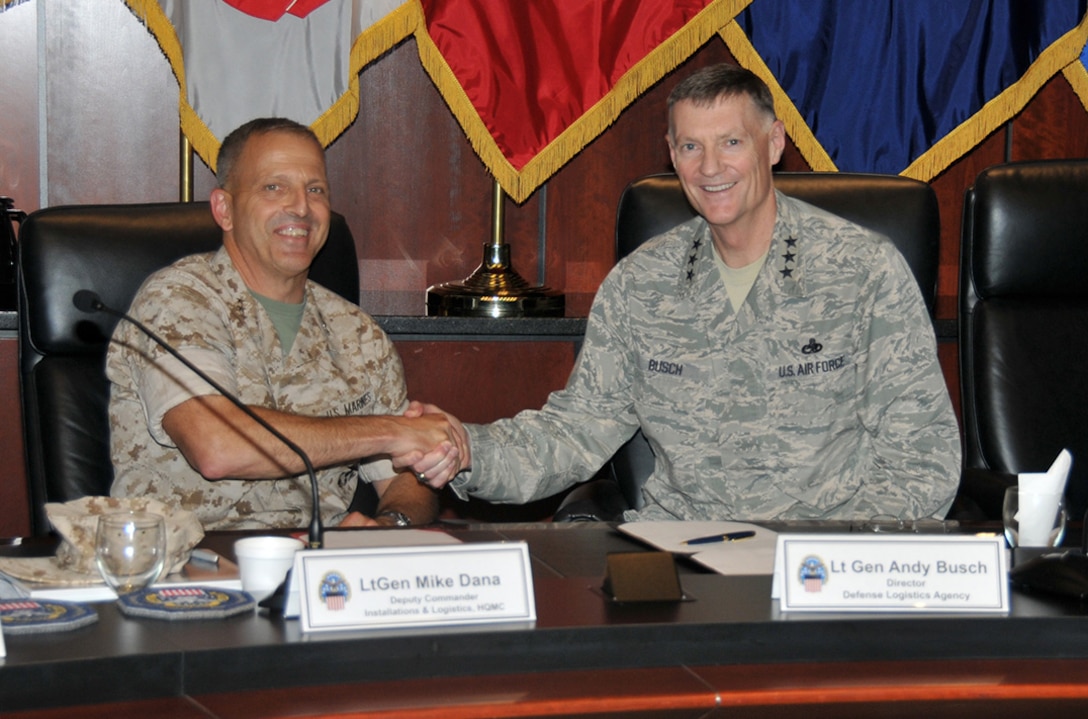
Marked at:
<point>130,549</point>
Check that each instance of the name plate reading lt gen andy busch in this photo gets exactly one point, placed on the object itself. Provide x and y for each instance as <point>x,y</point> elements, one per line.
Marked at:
<point>904,573</point>
<point>415,586</point>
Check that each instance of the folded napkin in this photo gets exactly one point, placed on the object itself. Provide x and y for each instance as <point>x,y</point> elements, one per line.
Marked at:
<point>76,522</point>
<point>1050,482</point>
<point>1040,494</point>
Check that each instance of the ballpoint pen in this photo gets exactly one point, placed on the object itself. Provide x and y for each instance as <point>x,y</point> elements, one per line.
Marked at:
<point>727,537</point>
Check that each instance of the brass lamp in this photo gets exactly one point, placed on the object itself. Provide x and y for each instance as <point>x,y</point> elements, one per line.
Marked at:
<point>494,289</point>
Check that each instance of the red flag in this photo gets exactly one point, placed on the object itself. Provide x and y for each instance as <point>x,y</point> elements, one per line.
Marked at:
<point>533,82</point>
<point>275,9</point>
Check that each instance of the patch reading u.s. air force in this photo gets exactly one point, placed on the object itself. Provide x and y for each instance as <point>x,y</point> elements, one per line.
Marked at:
<point>33,616</point>
<point>812,360</point>
<point>185,603</point>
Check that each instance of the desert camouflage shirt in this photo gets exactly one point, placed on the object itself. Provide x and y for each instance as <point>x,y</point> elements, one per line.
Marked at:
<point>822,397</point>
<point>341,363</point>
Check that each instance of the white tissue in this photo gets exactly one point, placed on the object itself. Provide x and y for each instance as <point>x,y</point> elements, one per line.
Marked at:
<point>1040,494</point>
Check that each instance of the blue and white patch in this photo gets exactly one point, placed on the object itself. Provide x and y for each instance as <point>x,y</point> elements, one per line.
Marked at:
<point>185,603</point>
<point>34,616</point>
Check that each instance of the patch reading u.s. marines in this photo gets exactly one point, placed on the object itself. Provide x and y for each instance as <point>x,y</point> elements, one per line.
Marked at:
<point>357,405</point>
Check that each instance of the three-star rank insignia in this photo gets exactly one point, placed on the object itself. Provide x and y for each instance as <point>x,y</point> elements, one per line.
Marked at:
<point>789,257</point>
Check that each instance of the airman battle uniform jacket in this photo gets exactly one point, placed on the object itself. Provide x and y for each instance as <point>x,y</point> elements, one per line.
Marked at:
<point>820,398</point>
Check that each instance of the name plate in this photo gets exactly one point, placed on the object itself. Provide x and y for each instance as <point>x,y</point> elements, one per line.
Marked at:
<point>391,587</point>
<point>883,573</point>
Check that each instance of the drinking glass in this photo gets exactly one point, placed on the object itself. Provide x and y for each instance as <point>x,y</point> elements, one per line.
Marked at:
<point>130,549</point>
<point>1033,519</point>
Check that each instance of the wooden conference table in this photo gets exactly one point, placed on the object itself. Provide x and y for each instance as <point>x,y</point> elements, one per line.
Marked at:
<point>727,652</point>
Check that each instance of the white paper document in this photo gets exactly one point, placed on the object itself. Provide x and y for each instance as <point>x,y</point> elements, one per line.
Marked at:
<point>750,556</point>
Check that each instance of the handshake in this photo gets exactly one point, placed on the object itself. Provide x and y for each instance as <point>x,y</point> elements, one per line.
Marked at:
<point>432,444</point>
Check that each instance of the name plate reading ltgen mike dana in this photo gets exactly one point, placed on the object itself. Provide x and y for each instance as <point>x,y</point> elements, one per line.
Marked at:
<point>415,586</point>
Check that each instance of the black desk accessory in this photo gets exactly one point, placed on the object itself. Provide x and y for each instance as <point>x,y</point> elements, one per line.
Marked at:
<point>1063,574</point>
<point>642,577</point>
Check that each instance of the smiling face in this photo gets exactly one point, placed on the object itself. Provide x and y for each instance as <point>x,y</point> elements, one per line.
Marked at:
<point>275,212</point>
<point>723,153</point>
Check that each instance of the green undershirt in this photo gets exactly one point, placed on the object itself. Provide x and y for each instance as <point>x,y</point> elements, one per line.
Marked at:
<point>286,318</point>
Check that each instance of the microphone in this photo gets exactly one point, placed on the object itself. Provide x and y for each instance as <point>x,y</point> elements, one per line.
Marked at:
<point>90,302</point>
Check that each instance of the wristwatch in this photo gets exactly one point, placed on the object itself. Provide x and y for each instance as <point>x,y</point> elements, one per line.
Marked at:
<point>400,519</point>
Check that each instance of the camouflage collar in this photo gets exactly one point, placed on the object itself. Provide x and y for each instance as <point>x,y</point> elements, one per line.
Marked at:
<point>698,262</point>
<point>784,256</point>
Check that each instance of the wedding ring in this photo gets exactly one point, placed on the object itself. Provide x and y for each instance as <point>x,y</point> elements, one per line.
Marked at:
<point>420,477</point>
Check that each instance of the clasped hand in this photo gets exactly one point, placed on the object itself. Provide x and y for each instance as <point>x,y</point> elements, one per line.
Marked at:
<point>437,466</point>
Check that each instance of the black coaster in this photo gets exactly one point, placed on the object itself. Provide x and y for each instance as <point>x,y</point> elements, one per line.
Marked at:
<point>185,603</point>
<point>37,616</point>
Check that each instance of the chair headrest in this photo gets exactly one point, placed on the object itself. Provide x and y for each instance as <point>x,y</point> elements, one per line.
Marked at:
<point>902,209</point>
<point>111,249</point>
<point>1027,230</point>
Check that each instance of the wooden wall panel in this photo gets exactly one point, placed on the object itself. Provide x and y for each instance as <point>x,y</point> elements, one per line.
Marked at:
<point>485,381</point>
<point>14,506</point>
<point>1054,125</point>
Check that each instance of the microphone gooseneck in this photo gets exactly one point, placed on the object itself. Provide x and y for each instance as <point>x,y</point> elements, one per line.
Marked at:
<point>90,302</point>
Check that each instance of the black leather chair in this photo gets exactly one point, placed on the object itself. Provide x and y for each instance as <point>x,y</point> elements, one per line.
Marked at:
<point>1023,322</point>
<point>109,249</point>
<point>903,209</point>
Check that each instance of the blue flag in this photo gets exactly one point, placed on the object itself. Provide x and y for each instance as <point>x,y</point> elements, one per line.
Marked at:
<point>903,87</point>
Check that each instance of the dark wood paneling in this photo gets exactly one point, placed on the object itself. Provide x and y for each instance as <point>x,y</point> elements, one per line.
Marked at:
<point>14,506</point>
<point>1052,126</point>
<point>484,381</point>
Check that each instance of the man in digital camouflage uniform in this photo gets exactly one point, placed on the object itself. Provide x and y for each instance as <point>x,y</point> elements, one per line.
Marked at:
<point>779,359</point>
<point>308,361</point>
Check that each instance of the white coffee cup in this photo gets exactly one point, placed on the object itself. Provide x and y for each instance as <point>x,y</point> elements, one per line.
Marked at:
<point>263,562</point>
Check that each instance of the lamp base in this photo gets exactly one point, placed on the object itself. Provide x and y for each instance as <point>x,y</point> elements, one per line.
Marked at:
<point>495,289</point>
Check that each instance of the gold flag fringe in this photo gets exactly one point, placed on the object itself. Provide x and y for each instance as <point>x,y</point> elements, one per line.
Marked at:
<point>717,17</point>
<point>150,13</point>
<point>796,127</point>
<point>519,185</point>
<point>968,134</point>
<point>371,44</point>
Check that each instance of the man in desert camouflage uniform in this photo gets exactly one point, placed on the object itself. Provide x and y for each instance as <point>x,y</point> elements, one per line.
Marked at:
<point>778,358</point>
<point>305,359</point>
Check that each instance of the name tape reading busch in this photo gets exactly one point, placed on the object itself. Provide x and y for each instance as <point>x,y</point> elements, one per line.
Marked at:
<point>418,586</point>
<point>874,573</point>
